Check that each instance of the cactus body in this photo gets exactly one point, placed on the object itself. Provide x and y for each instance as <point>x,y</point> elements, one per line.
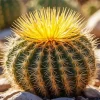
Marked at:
<point>9,11</point>
<point>50,67</point>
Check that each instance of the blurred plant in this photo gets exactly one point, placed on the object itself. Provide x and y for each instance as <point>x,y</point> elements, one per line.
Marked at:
<point>90,7</point>
<point>25,1</point>
<point>36,4</point>
<point>32,5</point>
<point>81,2</point>
<point>9,11</point>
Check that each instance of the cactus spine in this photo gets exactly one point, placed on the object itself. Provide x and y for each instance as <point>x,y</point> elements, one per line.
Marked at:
<point>51,56</point>
<point>9,11</point>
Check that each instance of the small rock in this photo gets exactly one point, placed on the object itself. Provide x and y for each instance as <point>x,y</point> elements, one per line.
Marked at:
<point>91,93</point>
<point>1,97</point>
<point>24,96</point>
<point>94,99</point>
<point>1,70</point>
<point>28,96</point>
<point>4,85</point>
<point>81,98</point>
<point>64,98</point>
<point>97,83</point>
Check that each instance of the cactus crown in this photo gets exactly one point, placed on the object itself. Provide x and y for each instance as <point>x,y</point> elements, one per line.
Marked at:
<point>49,24</point>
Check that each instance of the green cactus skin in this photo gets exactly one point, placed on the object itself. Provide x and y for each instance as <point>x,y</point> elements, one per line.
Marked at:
<point>9,11</point>
<point>53,69</point>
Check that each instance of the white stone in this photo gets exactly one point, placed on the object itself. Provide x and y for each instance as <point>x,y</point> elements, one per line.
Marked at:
<point>97,54</point>
<point>93,24</point>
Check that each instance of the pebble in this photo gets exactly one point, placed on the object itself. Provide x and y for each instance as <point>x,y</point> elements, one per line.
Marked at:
<point>4,85</point>
<point>91,93</point>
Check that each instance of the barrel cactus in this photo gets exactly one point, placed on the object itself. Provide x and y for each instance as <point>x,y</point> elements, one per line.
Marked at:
<point>37,4</point>
<point>9,11</point>
<point>53,3</point>
<point>50,55</point>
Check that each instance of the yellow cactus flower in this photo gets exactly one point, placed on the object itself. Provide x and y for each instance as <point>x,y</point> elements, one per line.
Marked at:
<point>49,24</point>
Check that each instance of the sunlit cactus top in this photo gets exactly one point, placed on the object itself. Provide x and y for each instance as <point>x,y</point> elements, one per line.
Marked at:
<point>49,24</point>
